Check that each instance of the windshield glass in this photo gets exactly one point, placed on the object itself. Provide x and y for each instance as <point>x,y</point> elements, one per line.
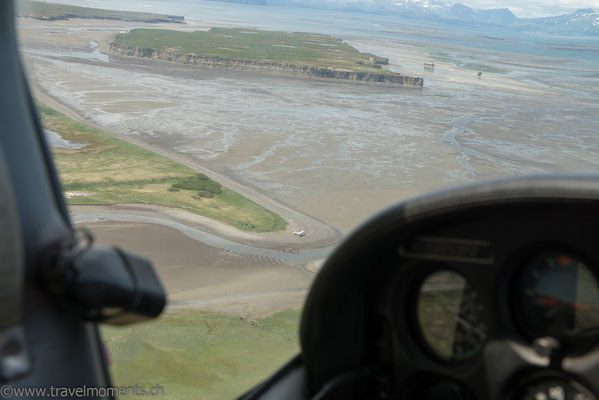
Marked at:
<point>235,143</point>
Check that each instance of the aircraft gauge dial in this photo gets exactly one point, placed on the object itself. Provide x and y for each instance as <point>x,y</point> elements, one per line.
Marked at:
<point>558,297</point>
<point>450,316</point>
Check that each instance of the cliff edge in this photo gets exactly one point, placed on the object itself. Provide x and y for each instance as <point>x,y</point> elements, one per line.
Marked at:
<point>265,66</point>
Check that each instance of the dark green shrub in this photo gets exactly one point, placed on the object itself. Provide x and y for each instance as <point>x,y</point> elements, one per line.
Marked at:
<point>202,195</point>
<point>199,182</point>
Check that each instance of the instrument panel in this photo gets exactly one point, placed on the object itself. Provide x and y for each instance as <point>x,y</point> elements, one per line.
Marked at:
<point>450,316</point>
<point>488,292</point>
<point>557,295</point>
<point>515,281</point>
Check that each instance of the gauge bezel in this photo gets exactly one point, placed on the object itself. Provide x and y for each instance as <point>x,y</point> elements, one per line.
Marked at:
<point>416,383</point>
<point>572,344</point>
<point>515,387</point>
<point>427,269</point>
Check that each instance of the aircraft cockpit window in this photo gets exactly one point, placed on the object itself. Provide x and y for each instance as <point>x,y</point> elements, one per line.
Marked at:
<point>237,144</point>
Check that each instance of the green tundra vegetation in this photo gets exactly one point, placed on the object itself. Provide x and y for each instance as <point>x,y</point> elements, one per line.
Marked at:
<point>200,355</point>
<point>294,48</point>
<point>53,12</point>
<point>205,186</point>
<point>108,170</point>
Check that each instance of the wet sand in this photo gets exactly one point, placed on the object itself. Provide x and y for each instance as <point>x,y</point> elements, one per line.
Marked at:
<point>319,234</point>
<point>197,276</point>
<point>335,151</point>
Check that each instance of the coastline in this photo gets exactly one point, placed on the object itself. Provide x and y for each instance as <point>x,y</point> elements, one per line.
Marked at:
<point>206,273</point>
<point>318,233</point>
<point>385,78</point>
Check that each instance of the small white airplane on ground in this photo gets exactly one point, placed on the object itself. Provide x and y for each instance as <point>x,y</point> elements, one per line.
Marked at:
<point>299,233</point>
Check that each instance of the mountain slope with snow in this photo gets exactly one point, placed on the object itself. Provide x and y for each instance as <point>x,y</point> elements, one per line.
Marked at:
<point>581,22</point>
<point>584,21</point>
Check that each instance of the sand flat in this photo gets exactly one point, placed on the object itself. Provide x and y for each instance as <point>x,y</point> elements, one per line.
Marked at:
<point>197,276</point>
<point>335,151</point>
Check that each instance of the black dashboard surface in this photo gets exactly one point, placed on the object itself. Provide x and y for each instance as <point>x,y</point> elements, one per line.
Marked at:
<point>483,292</point>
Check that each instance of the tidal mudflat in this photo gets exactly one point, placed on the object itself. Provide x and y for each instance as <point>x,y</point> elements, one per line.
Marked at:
<point>334,151</point>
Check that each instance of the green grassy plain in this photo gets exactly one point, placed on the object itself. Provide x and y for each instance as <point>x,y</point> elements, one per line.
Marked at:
<point>249,44</point>
<point>48,11</point>
<point>109,170</point>
<point>199,355</point>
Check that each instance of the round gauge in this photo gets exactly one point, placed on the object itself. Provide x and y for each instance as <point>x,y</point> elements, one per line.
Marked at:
<point>559,297</point>
<point>556,389</point>
<point>450,316</point>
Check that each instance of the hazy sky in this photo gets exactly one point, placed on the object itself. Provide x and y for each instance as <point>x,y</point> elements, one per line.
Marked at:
<point>534,8</point>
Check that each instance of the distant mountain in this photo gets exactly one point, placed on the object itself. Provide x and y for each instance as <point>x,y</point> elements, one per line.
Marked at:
<point>581,22</point>
<point>500,16</point>
<point>584,21</point>
<point>457,11</point>
<point>253,2</point>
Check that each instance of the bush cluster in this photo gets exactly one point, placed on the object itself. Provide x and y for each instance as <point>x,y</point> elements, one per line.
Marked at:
<point>199,182</point>
<point>202,195</point>
<point>247,225</point>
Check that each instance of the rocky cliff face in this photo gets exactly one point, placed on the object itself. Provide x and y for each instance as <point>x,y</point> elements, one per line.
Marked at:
<point>270,67</point>
<point>174,19</point>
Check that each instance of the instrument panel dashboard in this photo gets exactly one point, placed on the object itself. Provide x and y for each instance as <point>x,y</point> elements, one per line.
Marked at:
<point>487,291</point>
<point>508,278</point>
